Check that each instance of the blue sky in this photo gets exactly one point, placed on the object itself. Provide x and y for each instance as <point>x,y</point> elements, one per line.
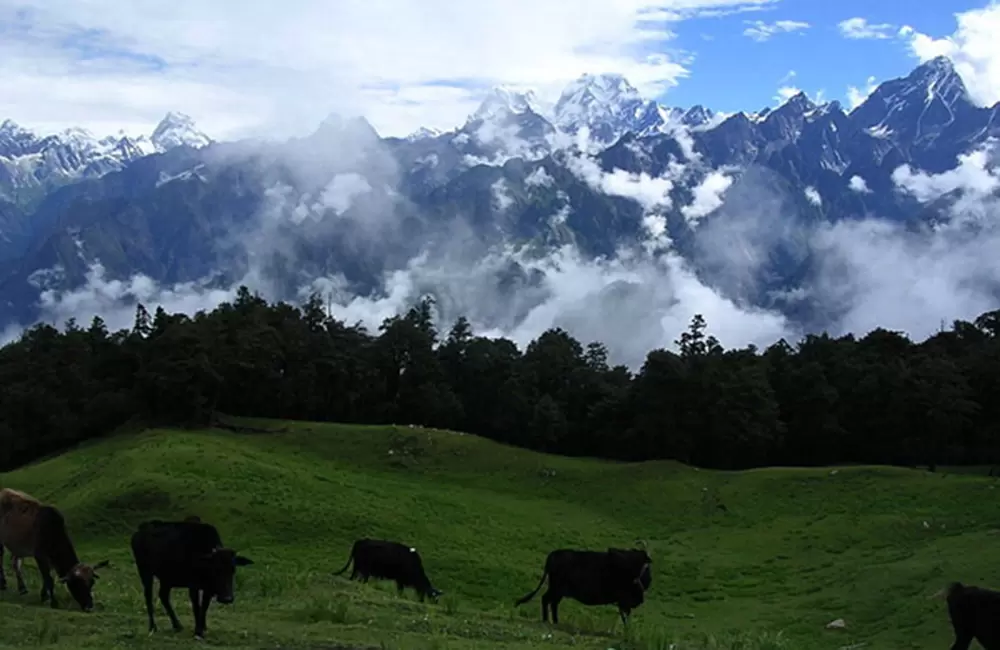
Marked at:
<point>733,72</point>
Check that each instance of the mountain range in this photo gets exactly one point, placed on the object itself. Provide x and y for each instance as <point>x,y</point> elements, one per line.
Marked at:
<point>602,170</point>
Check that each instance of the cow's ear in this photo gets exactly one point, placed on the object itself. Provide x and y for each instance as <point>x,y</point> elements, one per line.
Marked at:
<point>239,560</point>
<point>102,564</point>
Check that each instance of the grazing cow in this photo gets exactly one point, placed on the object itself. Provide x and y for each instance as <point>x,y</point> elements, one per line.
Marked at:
<point>393,561</point>
<point>616,576</point>
<point>30,528</point>
<point>974,614</point>
<point>185,554</point>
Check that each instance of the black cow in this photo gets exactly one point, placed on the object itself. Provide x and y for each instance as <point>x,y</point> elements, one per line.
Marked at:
<point>185,554</point>
<point>378,558</point>
<point>974,614</point>
<point>616,576</point>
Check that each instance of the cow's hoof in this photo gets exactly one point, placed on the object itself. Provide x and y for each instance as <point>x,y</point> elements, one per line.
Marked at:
<point>22,591</point>
<point>199,637</point>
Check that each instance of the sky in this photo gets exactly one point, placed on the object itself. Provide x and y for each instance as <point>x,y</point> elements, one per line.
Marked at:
<point>277,69</point>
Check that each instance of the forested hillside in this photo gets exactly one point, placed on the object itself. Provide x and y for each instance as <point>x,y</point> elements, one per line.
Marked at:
<point>880,398</point>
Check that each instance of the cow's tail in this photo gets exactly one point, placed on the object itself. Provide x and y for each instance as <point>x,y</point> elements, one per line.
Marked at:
<point>541,582</point>
<point>948,590</point>
<point>350,558</point>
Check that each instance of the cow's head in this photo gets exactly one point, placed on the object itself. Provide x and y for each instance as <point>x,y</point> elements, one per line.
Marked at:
<point>218,569</point>
<point>80,582</point>
<point>635,565</point>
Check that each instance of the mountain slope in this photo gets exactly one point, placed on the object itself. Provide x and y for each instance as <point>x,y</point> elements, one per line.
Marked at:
<point>793,550</point>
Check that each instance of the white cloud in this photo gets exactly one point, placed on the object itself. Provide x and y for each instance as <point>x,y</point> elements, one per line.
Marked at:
<point>812,195</point>
<point>972,177</point>
<point>761,31</point>
<point>339,194</point>
<point>539,178</point>
<point>502,200</point>
<point>859,185</point>
<point>860,28</point>
<point>973,48</point>
<point>633,304</point>
<point>856,96</point>
<point>791,74</point>
<point>707,196</point>
<point>785,93</point>
<point>279,68</point>
<point>880,275</point>
<point>646,190</point>
<point>114,300</point>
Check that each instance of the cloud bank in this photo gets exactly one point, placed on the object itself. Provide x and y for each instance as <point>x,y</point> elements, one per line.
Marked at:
<point>865,273</point>
<point>269,68</point>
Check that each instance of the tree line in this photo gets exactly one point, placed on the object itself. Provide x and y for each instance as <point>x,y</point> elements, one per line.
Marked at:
<point>825,400</point>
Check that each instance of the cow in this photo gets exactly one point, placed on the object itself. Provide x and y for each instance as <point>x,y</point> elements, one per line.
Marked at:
<point>393,561</point>
<point>29,527</point>
<point>616,576</point>
<point>185,554</point>
<point>974,614</point>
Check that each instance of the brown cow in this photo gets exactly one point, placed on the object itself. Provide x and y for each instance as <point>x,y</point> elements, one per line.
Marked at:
<point>31,528</point>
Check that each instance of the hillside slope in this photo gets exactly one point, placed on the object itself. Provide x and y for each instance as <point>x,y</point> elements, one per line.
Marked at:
<point>791,550</point>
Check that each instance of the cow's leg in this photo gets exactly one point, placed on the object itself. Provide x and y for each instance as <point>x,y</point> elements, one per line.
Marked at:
<point>963,637</point>
<point>546,601</point>
<point>3,576</point>
<point>963,627</point>
<point>206,600</point>
<point>48,584</point>
<point>165,599</point>
<point>554,603</point>
<point>200,600</point>
<point>195,595</point>
<point>147,593</point>
<point>16,563</point>
<point>962,641</point>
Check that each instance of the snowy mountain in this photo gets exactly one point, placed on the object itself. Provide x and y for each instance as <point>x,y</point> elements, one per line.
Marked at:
<point>608,106</point>
<point>363,206</point>
<point>32,165</point>
<point>512,123</point>
<point>502,102</point>
<point>175,130</point>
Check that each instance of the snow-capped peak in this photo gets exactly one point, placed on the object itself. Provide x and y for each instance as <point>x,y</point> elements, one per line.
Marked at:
<point>177,129</point>
<point>424,132</point>
<point>502,100</point>
<point>602,89</point>
<point>933,69</point>
<point>799,102</point>
<point>608,105</point>
<point>15,139</point>
<point>938,78</point>
<point>10,127</point>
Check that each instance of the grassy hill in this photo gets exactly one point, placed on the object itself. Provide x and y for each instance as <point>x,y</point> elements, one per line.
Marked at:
<point>753,560</point>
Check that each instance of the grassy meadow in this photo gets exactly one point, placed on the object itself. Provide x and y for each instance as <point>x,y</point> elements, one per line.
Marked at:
<point>753,560</point>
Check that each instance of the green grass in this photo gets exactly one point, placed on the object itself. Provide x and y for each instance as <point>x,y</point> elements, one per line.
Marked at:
<point>793,550</point>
